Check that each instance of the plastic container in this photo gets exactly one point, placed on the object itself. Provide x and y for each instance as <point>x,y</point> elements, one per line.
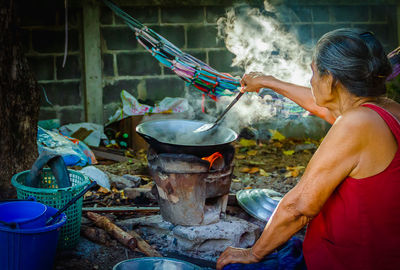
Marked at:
<point>155,263</point>
<point>49,194</point>
<point>30,249</point>
<point>26,214</point>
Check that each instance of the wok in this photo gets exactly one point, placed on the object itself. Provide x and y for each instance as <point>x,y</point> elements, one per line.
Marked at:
<point>178,136</point>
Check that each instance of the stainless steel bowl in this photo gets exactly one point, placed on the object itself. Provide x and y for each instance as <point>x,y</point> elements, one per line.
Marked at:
<point>155,263</point>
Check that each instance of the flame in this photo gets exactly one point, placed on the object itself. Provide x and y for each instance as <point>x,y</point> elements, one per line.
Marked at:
<point>212,158</point>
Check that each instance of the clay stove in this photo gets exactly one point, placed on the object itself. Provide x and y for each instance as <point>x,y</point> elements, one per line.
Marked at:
<point>191,192</point>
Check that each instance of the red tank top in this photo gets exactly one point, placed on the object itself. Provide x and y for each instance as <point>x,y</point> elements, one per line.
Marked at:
<point>359,225</point>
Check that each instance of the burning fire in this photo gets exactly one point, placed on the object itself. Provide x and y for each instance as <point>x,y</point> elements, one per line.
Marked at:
<point>212,158</point>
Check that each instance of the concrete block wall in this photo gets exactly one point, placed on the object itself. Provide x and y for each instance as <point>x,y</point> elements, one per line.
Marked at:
<point>190,25</point>
<point>43,39</point>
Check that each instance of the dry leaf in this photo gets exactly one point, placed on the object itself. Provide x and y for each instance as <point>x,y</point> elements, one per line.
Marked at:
<point>245,170</point>
<point>240,157</point>
<point>236,180</point>
<point>254,170</point>
<point>276,135</point>
<point>103,190</point>
<point>288,152</point>
<point>263,173</point>
<point>278,144</point>
<point>248,188</point>
<point>247,143</point>
<point>252,152</point>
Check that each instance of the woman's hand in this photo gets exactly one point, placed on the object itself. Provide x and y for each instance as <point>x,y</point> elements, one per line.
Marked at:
<point>236,255</point>
<point>254,81</point>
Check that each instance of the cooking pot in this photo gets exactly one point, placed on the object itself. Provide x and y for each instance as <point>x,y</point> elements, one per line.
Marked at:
<point>178,136</point>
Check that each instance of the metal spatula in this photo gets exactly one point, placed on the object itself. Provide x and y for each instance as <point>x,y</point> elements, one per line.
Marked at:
<point>209,126</point>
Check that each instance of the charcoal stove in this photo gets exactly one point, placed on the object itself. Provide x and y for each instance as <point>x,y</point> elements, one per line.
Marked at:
<point>191,192</point>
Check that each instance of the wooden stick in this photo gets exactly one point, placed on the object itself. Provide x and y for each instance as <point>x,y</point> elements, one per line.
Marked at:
<point>144,246</point>
<point>122,236</point>
<point>122,210</point>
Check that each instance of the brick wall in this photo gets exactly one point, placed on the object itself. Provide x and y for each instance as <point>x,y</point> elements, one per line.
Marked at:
<point>43,40</point>
<point>191,25</point>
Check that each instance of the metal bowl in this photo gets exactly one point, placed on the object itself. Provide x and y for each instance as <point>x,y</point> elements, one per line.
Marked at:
<point>155,263</point>
<point>259,203</point>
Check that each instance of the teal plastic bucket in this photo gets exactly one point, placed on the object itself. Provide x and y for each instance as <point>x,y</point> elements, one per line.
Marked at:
<point>30,248</point>
<point>24,214</point>
<point>155,263</point>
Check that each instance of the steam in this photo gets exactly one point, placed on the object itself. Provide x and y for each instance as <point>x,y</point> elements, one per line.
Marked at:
<point>260,44</point>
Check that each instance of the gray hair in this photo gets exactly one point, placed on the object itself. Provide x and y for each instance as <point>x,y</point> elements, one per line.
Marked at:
<point>356,59</point>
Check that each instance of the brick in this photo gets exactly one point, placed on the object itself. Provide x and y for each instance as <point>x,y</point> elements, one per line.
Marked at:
<point>61,93</point>
<point>303,33</point>
<point>379,13</point>
<point>214,13</point>
<point>320,13</point>
<point>106,16</point>
<point>301,13</point>
<point>119,38</point>
<point>159,88</point>
<point>140,63</point>
<point>182,14</point>
<point>108,65</point>
<point>142,14</point>
<point>71,115</point>
<point>203,37</point>
<point>33,14</point>
<point>25,36</point>
<point>175,34</point>
<point>112,91</point>
<point>222,61</point>
<point>52,41</point>
<point>47,113</point>
<point>350,13</point>
<point>386,34</point>
<point>72,68</point>
<point>321,29</point>
<point>42,66</point>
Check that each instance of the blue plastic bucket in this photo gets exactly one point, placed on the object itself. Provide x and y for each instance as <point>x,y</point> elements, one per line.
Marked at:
<point>155,263</point>
<point>30,248</point>
<point>26,214</point>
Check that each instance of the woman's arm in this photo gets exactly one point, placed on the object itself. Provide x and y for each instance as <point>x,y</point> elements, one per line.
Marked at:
<point>334,160</point>
<point>301,95</point>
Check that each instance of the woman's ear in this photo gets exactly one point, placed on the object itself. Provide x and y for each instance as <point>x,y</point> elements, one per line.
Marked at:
<point>331,83</point>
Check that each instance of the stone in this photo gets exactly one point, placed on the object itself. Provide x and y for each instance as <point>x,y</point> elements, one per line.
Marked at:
<point>72,68</point>
<point>203,37</point>
<point>42,66</point>
<point>320,13</point>
<point>306,146</point>
<point>112,90</point>
<point>119,38</point>
<point>134,193</point>
<point>350,13</point>
<point>108,64</point>
<point>182,15</point>
<point>52,41</point>
<point>61,93</point>
<point>71,115</point>
<point>139,63</point>
<point>203,242</point>
<point>144,15</point>
<point>121,182</point>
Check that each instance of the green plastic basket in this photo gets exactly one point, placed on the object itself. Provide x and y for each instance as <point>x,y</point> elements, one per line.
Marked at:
<point>48,193</point>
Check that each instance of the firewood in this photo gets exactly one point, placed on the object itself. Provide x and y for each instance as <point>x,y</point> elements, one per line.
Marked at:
<point>122,236</point>
<point>144,246</point>
<point>96,235</point>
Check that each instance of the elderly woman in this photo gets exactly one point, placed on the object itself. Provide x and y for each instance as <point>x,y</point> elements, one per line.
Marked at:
<point>349,193</point>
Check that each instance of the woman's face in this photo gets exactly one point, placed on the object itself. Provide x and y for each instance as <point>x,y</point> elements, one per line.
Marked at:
<point>320,86</point>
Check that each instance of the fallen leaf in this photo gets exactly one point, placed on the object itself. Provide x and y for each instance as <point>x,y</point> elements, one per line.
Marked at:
<point>114,190</point>
<point>294,168</point>
<point>240,157</point>
<point>263,173</point>
<point>277,144</point>
<point>254,170</point>
<point>103,190</point>
<point>247,143</point>
<point>245,170</point>
<point>276,135</point>
<point>236,180</point>
<point>248,188</point>
<point>288,152</point>
<point>252,152</point>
